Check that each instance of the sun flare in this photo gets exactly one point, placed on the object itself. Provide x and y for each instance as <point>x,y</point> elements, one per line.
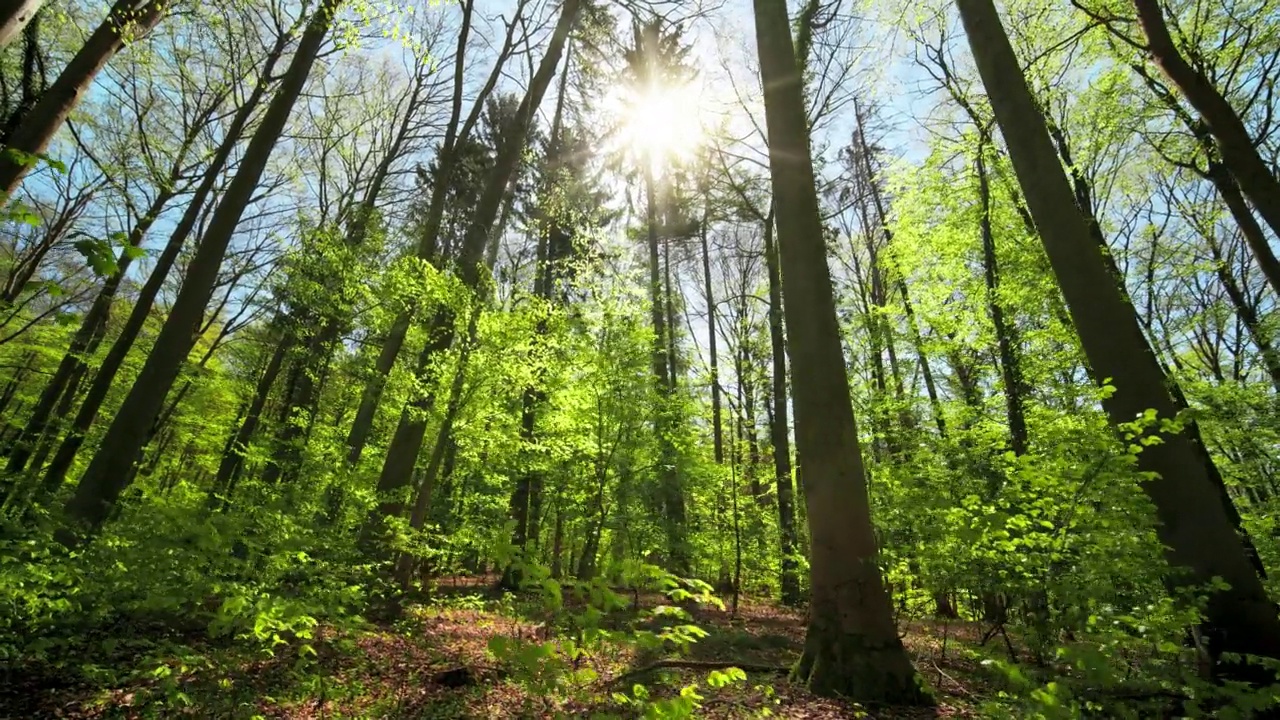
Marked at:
<point>662,124</point>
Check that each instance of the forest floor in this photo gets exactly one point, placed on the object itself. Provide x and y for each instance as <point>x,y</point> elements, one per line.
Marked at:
<point>434,663</point>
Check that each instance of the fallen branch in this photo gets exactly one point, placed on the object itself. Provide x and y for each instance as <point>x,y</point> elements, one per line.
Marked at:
<point>959,686</point>
<point>677,664</point>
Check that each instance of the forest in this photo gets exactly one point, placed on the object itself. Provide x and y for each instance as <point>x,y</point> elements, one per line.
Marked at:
<point>639,359</point>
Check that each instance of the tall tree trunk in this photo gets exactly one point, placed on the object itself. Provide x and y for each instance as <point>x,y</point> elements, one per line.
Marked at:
<point>127,20</point>
<point>1006,338</point>
<point>557,541</point>
<point>1194,522</point>
<point>673,358</point>
<point>14,17</point>
<point>746,379</point>
<point>717,419</point>
<point>657,314</point>
<point>102,381</point>
<point>779,432</point>
<point>1239,153</point>
<point>669,475</point>
<point>852,646</point>
<point>106,475</point>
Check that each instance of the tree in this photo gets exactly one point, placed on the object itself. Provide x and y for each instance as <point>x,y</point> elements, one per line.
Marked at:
<point>852,646</point>
<point>656,59</point>
<point>1239,154</point>
<point>456,138</point>
<point>106,374</point>
<point>1195,525</point>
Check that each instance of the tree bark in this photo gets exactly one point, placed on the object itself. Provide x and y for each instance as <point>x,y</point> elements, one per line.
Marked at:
<point>717,415</point>
<point>14,17</point>
<point>1194,523</point>
<point>852,646</point>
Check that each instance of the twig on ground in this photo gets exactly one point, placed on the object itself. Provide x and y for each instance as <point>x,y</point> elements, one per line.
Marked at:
<point>954,681</point>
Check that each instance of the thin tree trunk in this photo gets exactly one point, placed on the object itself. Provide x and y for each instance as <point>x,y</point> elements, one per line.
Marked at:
<point>661,367</point>
<point>1006,340</point>
<point>557,541</point>
<point>717,420</point>
<point>749,421</point>
<point>1195,525</point>
<point>779,432</point>
<point>852,646</point>
<point>673,358</point>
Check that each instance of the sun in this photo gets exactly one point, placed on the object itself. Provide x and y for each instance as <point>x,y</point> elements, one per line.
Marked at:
<point>660,124</point>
